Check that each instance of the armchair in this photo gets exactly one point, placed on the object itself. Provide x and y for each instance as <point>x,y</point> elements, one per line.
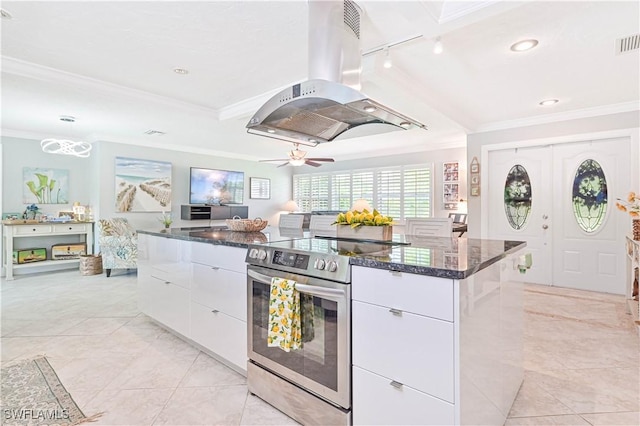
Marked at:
<point>118,244</point>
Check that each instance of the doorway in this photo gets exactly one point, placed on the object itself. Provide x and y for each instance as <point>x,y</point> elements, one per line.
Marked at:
<point>560,199</point>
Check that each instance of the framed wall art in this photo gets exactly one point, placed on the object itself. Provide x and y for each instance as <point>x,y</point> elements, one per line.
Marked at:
<point>45,186</point>
<point>142,185</point>
<point>450,185</point>
<point>474,177</point>
<point>260,188</point>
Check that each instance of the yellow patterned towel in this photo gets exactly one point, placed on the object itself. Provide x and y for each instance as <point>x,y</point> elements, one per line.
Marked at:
<point>284,315</point>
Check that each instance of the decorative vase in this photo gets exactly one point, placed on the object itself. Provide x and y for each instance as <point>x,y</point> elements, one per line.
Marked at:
<point>376,233</point>
<point>636,229</point>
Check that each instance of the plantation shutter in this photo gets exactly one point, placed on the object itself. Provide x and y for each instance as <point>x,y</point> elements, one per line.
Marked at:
<point>362,186</point>
<point>341,191</point>
<point>389,192</point>
<point>319,192</point>
<point>417,192</point>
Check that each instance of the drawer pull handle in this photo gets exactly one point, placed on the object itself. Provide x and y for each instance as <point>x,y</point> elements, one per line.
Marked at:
<point>397,312</point>
<point>396,273</point>
<point>215,268</point>
<point>215,311</point>
<point>396,385</point>
<point>167,282</point>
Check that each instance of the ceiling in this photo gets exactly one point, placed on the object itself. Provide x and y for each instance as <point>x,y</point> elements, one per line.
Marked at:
<point>110,64</point>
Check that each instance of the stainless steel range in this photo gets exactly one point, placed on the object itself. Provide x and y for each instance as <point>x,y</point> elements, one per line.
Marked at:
<point>311,384</point>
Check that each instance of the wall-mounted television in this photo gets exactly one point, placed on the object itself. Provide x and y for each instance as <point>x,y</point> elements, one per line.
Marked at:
<point>215,187</point>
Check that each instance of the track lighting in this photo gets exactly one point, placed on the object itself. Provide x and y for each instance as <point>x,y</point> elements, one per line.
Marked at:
<point>387,59</point>
<point>437,46</point>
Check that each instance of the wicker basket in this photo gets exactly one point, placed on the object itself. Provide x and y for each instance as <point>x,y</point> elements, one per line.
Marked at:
<point>246,225</point>
<point>90,264</point>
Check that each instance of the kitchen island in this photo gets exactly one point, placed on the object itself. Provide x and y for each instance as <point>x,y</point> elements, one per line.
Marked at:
<point>436,329</point>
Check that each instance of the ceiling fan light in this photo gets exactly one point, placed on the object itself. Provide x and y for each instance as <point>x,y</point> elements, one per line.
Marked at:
<point>297,162</point>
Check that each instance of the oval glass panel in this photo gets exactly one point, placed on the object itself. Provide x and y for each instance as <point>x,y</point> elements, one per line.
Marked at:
<point>517,197</point>
<point>589,195</point>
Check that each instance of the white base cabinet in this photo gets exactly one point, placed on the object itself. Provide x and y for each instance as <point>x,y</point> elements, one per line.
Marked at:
<point>436,351</point>
<point>198,290</point>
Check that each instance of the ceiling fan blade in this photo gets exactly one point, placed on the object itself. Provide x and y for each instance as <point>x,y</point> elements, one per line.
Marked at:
<point>273,161</point>
<point>283,164</point>
<point>330,160</point>
<point>311,163</point>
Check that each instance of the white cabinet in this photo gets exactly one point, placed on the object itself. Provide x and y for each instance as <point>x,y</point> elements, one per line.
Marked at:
<point>376,401</point>
<point>13,232</point>
<point>164,281</point>
<point>403,348</point>
<point>219,301</point>
<point>198,290</point>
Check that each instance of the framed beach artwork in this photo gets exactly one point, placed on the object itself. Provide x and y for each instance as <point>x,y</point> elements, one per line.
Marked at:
<point>45,186</point>
<point>142,185</point>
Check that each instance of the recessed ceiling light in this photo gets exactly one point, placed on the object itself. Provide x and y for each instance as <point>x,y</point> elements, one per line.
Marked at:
<point>524,45</point>
<point>370,108</point>
<point>181,71</point>
<point>5,14</point>
<point>548,102</point>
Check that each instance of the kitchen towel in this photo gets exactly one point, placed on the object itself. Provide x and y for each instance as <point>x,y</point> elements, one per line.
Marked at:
<point>284,315</point>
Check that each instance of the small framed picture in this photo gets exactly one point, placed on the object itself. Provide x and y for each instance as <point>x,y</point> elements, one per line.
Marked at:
<point>260,188</point>
<point>475,180</point>
<point>475,191</point>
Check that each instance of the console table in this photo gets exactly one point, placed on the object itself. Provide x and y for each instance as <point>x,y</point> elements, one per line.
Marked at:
<point>42,229</point>
<point>633,263</point>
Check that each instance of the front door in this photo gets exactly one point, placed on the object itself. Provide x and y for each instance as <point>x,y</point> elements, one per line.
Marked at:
<point>569,221</point>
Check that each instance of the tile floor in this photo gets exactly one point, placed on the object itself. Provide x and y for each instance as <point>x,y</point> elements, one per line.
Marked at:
<point>582,357</point>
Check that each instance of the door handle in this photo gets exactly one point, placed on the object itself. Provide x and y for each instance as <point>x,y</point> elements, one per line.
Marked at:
<point>545,226</point>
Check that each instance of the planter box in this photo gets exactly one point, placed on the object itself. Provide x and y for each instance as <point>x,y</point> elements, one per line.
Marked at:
<point>377,233</point>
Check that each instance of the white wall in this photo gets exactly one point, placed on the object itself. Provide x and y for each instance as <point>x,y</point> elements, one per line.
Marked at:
<point>91,180</point>
<point>436,157</point>
<point>568,130</point>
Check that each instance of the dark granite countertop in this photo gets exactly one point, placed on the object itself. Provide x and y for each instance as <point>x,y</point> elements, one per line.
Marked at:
<point>223,236</point>
<point>455,258</point>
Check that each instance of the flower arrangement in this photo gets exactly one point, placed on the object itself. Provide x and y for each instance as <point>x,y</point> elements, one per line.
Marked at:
<point>166,219</point>
<point>31,212</point>
<point>357,218</point>
<point>630,205</point>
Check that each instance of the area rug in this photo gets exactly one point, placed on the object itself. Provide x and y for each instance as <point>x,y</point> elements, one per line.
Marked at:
<point>33,395</point>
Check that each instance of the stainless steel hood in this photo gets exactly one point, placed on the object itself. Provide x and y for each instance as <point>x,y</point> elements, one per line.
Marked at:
<point>328,105</point>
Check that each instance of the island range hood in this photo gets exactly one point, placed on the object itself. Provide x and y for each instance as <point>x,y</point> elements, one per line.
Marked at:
<point>328,105</point>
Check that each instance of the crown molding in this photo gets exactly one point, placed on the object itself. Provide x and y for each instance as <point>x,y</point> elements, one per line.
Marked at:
<point>560,116</point>
<point>39,72</point>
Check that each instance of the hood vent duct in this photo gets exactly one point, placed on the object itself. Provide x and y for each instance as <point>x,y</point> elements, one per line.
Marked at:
<point>627,44</point>
<point>329,104</point>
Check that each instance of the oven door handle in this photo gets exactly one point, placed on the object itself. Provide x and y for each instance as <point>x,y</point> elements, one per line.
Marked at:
<point>324,292</point>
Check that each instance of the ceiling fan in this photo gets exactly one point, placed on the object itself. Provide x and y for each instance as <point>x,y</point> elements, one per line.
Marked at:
<point>297,158</point>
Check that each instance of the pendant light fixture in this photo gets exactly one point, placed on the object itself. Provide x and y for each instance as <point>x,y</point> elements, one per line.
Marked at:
<point>387,59</point>
<point>65,146</point>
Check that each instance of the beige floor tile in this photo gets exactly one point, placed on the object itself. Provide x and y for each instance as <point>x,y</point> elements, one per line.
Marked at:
<point>87,374</point>
<point>220,405</point>
<point>609,419</point>
<point>95,326</point>
<point>532,400</point>
<point>153,370</point>
<point>568,420</point>
<point>207,372</point>
<point>129,407</point>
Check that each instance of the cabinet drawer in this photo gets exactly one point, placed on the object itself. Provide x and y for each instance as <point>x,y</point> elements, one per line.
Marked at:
<point>377,402</point>
<point>174,273</point>
<point>412,349</point>
<point>66,228</point>
<point>220,289</point>
<point>220,333</point>
<point>32,230</point>
<point>419,294</point>
<point>170,306</point>
<point>230,258</point>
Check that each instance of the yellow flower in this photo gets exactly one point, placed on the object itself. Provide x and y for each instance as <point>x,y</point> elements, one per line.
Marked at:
<point>632,197</point>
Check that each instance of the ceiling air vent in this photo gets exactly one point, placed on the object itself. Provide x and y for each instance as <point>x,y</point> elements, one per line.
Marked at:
<point>154,132</point>
<point>627,44</point>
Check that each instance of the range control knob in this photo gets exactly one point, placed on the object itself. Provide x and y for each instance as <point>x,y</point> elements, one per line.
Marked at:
<point>253,253</point>
<point>262,254</point>
<point>319,264</point>
<point>332,266</point>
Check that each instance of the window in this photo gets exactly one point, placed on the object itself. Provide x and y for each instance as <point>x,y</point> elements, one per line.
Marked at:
<point>398,192</point>
<point>589,195</point>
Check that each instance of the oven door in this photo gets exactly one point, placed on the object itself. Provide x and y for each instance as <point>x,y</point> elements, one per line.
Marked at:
<point>322,365</point>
